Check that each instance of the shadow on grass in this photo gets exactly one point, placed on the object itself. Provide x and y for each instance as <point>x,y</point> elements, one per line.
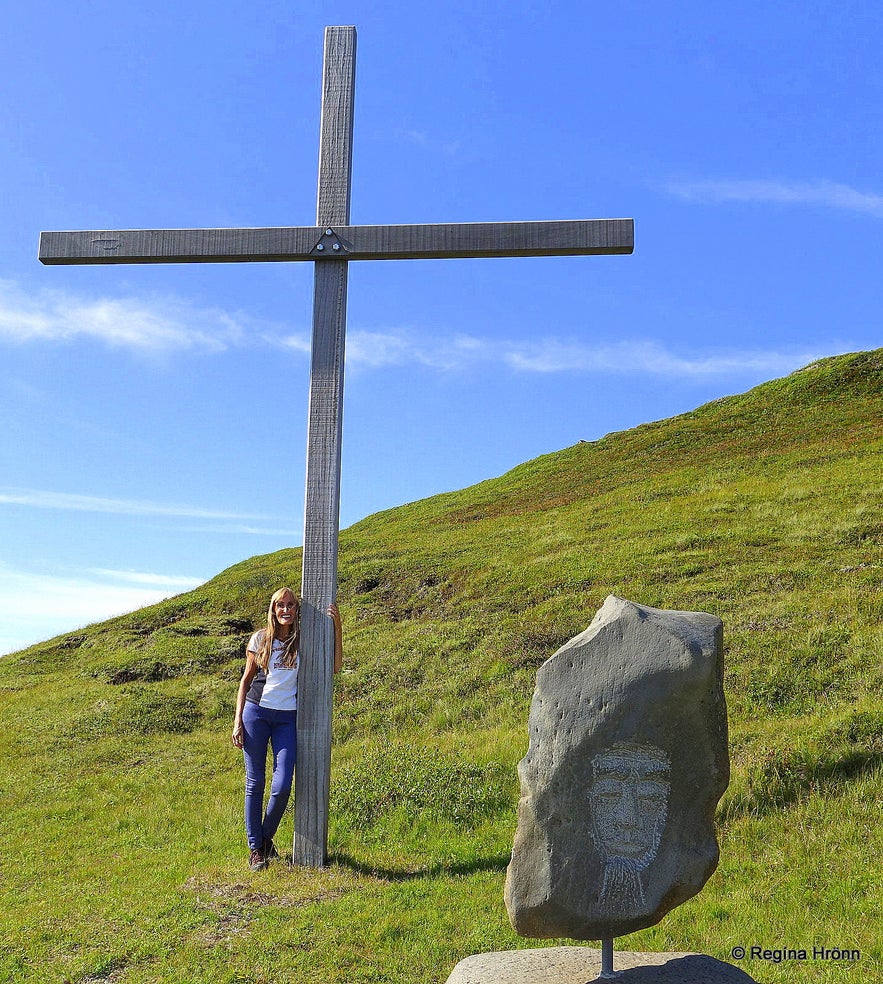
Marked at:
<point>498,863</point>
<point>783,779</point>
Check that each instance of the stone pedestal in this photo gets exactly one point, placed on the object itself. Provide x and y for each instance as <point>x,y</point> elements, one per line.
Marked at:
<point>582,965</point>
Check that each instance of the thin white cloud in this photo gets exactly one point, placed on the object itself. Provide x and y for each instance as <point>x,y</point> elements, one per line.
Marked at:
<point>427,142</point>
<point>38,606</point>
<point>157,326</point>
<point>402,348</point>
<point>42,499</point>
<point>649,358</point>
<point>165,582</point>
<point>397,347</point>
<point>299,343</point>
<point>150,325</point>
<point>378,350</point>
<point>829,194</point>
<point>244,530</point>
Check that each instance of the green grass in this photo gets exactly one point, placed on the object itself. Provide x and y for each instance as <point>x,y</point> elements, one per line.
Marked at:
<point>123,851</point>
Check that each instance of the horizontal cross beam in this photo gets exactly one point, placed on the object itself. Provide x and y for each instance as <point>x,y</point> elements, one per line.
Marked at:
<point>382,242</point>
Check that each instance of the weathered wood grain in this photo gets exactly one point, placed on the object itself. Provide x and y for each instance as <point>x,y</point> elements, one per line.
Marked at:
<point>324,431</point>
<point>458,240</point>
<point>336,133</point>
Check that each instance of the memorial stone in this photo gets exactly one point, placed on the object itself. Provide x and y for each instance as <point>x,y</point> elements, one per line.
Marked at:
<point>627,760</point>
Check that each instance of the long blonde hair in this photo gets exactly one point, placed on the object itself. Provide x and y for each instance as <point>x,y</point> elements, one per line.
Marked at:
<point>265,649</point>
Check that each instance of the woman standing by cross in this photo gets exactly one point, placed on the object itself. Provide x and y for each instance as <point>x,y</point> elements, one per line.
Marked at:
<point>266,715</point>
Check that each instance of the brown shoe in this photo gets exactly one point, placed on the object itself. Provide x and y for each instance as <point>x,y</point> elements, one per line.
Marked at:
<point>257,861</point>
<point>269,850</point>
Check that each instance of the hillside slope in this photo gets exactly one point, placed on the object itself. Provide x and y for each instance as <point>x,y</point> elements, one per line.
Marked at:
<point>121,798</point>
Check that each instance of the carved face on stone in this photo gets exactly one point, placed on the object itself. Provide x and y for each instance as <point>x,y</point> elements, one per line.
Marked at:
<point>628,800</point>
<point>626,762</point>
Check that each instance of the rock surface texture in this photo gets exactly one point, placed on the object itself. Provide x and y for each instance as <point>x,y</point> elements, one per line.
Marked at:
<point>578,964</point>
<point>626,762</point>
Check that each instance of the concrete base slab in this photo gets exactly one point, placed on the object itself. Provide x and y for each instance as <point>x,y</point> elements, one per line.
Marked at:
<point>582,965</point>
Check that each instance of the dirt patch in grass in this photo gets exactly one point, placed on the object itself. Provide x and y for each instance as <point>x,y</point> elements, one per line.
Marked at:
<point>234,900</point>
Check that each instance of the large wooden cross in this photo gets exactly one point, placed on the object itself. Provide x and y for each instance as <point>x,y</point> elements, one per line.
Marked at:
<point>330,244</point>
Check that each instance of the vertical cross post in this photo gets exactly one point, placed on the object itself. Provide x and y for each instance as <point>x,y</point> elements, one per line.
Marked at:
<point>330,245</point>
<point>322,501</point>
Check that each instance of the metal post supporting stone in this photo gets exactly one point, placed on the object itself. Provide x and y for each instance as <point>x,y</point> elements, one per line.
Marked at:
<point>607,959</point>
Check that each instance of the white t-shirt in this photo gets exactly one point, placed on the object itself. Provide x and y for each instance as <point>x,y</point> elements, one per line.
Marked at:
<point>279,691</point>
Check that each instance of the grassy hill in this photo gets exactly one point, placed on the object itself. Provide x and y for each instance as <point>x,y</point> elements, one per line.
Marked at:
<point>123,853</point>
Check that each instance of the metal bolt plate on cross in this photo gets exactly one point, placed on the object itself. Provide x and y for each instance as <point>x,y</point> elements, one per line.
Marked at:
<point>329,244</point>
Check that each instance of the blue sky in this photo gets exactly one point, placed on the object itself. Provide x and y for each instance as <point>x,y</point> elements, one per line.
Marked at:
<point>153,417</point>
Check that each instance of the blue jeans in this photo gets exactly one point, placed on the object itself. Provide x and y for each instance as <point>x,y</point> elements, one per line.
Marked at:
<point>263,726</point>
